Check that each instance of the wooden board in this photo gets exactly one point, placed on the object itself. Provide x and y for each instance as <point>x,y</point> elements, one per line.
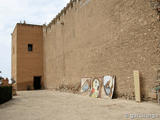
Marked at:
<point>137,86</point>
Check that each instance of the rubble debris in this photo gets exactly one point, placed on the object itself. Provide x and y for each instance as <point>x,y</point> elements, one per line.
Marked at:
<point>156,6</point>
<point>69,88</point>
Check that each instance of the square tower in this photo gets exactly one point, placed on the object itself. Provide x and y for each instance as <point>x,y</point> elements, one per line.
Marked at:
<point>27,56</point>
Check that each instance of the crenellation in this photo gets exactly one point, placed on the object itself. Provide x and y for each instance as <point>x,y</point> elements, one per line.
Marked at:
<point>100,40</point>
<point>63,12</point>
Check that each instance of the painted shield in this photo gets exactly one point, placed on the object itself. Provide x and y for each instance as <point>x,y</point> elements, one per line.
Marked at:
<point>95,88</point>
<point>108,84</point>
<point>85,84</point>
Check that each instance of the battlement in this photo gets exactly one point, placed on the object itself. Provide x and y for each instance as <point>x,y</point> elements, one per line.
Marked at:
<point>71,4</point>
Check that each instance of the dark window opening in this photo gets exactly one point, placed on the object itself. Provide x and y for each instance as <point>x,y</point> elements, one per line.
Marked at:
<point>30,47</point>
<point>37,82</point>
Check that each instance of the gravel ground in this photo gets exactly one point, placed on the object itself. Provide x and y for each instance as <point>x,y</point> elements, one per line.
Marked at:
<point>54,105</point>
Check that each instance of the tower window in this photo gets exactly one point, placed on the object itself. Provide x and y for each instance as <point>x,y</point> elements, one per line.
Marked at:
<point>30,47</point>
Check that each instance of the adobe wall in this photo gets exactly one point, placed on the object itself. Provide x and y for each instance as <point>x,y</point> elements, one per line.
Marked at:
<point>103,37</point>
<point>29,64</point>
<point>14,54</point>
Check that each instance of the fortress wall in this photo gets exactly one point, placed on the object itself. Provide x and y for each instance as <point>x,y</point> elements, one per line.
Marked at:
<point>103,37</point>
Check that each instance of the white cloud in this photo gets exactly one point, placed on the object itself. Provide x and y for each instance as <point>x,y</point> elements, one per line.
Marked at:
<point>13,11</point>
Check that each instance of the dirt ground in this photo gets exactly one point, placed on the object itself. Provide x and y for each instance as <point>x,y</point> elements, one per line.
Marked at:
<point>54,105</point>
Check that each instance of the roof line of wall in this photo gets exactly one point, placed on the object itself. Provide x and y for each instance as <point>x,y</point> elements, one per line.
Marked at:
<point>29,24</point>
<point>63,12</point>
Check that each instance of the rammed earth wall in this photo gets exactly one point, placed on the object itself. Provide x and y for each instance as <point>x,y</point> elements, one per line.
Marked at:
<point>93,38</point>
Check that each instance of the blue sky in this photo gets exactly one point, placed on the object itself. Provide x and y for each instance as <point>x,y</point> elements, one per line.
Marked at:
<point>13,11</point>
